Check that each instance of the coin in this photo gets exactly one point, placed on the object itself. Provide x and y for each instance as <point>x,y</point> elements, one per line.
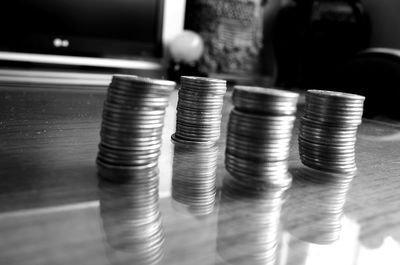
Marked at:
<point>200,101</point>
<point>264,100</point>
<point>258,138</point>
<point>328,131</point>
<point>131,129</point>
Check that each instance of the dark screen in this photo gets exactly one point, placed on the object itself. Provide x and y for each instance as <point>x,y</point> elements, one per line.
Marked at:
<point>104,24</point>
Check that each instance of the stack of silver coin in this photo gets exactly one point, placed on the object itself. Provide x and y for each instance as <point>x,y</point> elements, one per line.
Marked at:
<point>314,209</point>
<point>194,176</point>
<point>133,119</point>
<point>328,131</point>
<point>199,109</point>
<point>132,221</point>
<point>259,134</point>
<point>248,224</point>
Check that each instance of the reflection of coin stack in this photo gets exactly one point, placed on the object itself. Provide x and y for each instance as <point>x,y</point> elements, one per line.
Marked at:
<point>199,109</point>
<point>248,224</point>
<point>194,176</point>
<point>259,134</point>
<point>133,119</point>
<point>132,221</point>
<point>198,123</point>
<point>328,131</point>
<point>314,209</point>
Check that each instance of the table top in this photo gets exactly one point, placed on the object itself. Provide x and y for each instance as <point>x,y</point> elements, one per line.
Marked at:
<point>53,207</point>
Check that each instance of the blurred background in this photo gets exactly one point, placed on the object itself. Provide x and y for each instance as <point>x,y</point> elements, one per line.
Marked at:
<point>344,45</point>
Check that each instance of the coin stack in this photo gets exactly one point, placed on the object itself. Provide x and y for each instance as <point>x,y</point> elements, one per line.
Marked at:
<point>259,133</point>
<point>248,224</point>
<point>317,199</point>
<point>194,176</point>
<point>199,109</point>
<point>132,221</point>
<point>328,131</point>
<point>133,119</point>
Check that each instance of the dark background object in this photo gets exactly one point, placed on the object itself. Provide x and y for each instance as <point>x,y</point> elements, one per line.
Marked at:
<point>289,38</point>
<point>316,38</point>
<point>374,73</point>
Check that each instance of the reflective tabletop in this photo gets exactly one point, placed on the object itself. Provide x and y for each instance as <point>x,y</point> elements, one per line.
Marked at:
<point>55,210</point>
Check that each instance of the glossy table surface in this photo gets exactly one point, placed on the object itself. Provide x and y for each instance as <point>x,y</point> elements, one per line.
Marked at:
<point>51,203</point>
